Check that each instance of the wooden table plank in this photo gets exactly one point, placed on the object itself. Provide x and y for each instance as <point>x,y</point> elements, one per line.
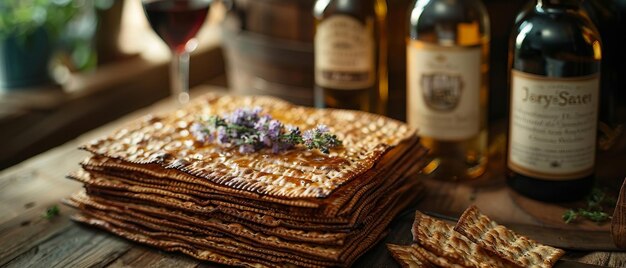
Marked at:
<point>73,246</point>
<point>452,198</point>
<point>27,189</point>
<point>141,256</point>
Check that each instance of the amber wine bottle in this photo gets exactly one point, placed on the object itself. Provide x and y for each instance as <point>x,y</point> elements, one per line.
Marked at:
<point>554,94</point>
<point>447,67</point>
<point>350,54</point>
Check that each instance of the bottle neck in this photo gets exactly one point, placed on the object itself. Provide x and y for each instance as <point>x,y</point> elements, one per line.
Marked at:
<point>561,4</point>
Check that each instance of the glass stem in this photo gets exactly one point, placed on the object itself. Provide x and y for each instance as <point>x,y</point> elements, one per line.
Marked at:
<point>180,77</point>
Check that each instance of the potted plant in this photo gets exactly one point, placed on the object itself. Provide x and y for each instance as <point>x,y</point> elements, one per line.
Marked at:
<point>28,31</point>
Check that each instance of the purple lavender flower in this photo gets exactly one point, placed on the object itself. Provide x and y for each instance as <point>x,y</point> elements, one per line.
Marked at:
<point>293,130</point>
<point>250,131</point>
<point>196,127</point>
<point>281,146</point>
<point>274,128</point>
<point>308,137</point>
<point>265,139</point>
<point>276,147</point>
<point>235,117</point>
<point>319,138</point>
<point>244,116</point>
<point>222,135</point>
<point>262,128</point>
<point>321,129</point>
<point>262,123</point>
<point>246,148</point>
<point>200,133</point>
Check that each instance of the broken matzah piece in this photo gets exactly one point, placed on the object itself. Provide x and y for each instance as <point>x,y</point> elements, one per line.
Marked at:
<point>503,242</point>
<point>408,257</point>
<point>441,239</point>
<point>433,258</point>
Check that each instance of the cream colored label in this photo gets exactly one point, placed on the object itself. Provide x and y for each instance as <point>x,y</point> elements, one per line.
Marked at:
<point>344,53</point>
<point>553,125</point>
<point>443,100</point>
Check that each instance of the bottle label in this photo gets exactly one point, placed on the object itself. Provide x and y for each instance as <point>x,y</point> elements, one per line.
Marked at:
<point>443,97</point>
<point>344,53</point>
<point>553,125</point>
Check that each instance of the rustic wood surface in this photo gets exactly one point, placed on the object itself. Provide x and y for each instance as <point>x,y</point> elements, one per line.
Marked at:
<point>29,188</point>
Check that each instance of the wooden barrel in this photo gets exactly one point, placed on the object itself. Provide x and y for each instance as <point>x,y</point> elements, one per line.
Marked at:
<point>269,48</point>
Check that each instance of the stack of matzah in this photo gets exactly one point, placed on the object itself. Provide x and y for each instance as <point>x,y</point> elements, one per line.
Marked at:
<point>151,182</point>
<point>476,241</point>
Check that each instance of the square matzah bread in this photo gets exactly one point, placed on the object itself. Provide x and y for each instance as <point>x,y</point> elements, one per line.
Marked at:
<point>395,164</point>
<point>153,183</point>
<point>166,141</point>
<point>408,257</point>
<point>441,239</point>
<point>161,232</point>
<point>505,243</point>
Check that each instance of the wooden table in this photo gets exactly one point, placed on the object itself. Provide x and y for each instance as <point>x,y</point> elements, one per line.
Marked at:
<point>27,239</point>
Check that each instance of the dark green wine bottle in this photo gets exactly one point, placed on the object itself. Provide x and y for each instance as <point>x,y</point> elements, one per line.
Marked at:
<point>555,59</point>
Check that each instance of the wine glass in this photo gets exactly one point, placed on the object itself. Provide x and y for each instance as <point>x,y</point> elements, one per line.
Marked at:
<point>177,22</point>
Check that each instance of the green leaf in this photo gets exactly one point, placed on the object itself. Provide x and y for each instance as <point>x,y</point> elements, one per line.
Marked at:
<point>570,216</point>
<point>595,216</point>
<point>51,212</point>
<point>594,211</point>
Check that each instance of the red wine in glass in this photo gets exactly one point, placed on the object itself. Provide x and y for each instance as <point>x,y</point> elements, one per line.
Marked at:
<point>177,22</point>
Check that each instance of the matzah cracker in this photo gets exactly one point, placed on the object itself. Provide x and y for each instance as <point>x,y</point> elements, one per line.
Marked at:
<point>407,257</point>
<point>166,141</point>
<point>123,212</point>
<point>359,200</point>
<point>505,243</point>
<point>154,183</point>
<point>398,162</point>
<point>173,246</point>
<point>441,239</point>
<point>214,223</point>
<point>115,189</point>
<point>433,258</point>
<point>158,235</point>
<point>213,242</point>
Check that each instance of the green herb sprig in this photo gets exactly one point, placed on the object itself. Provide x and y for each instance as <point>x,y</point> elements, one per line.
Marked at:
<point>51,212</point>
<point>596,200</point>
